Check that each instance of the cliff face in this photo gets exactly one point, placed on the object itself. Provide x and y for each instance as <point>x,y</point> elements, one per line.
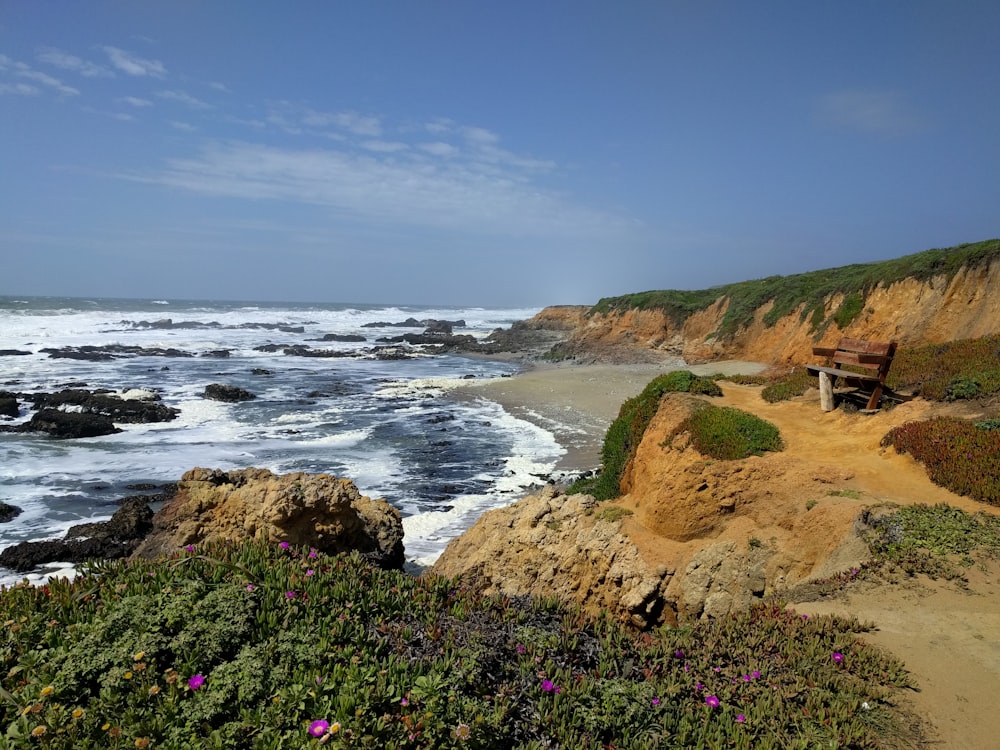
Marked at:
<point>911,312</point>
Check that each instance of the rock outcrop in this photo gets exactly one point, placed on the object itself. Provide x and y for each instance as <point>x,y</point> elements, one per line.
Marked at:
<point>696,537</point>
<point>316,510</point>
<point>228,393</point>
<point>107,540</point>
<point>551,544</point>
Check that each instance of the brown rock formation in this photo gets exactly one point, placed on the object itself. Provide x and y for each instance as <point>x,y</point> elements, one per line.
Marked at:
<point>317,510</point>
<point>550,544</point>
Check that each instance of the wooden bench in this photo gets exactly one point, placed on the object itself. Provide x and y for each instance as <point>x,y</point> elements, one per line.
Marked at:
<point>869,360</point>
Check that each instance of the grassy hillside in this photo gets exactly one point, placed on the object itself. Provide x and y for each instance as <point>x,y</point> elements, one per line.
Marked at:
<point>813,288</point>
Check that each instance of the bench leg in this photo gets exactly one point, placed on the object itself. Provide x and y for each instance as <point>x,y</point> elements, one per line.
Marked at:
<point>876,395</point>
<point>825,392</point>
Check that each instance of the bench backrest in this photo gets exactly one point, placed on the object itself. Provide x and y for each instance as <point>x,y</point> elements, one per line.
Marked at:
<point>869,355</point>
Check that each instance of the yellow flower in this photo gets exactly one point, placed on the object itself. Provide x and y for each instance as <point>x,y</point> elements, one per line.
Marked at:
<point>334,728</point>
<point>106,726</point>
<point>142,742</point>
<point>154,690</point>
<point>128,675</point>
<point>138,656</point>
<point>38,731</point>
<point>77,713</point>
<point>48,690</point>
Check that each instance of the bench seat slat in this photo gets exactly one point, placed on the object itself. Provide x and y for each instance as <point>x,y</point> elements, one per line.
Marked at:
<point>845,374</point>
<point>859,360</point>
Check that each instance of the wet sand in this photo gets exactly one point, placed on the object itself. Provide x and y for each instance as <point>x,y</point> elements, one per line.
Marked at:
<point>578,402</point>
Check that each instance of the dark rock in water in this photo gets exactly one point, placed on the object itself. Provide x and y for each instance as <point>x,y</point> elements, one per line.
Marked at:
<point>8,405</point>
<point>66,424</point>
<point>414,323</point>
<point>13,353</point>
<point>8,512</point>
<point>228,393</point>
<point>130,523</point>
<point>217,353</point>
<point>271,348</point>
<point>112,351</point>
<point>260,371</point>
<point>390,353</point>
<point>106,541</point>
<point>126,410</point>
<point>303,350</point>
<point>345,337</point>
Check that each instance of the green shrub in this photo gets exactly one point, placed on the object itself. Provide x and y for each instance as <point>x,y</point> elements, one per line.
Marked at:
<point>788,386</point>
<point>956,454</point>
<point>727,433</point>
<point>379,659</point>
<point>612,513</point>
<point>625,432</point>
<point>967,368</point>
<point>849,309</point>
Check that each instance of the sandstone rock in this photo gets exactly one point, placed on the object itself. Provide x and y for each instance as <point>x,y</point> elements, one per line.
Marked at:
<point>316,510</point>
<point>555,545</point>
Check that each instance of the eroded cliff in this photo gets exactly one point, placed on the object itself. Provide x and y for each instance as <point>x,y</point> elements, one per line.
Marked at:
<point>944,307</point>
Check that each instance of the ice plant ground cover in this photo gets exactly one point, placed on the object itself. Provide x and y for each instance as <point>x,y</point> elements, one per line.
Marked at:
<point>207,650</point>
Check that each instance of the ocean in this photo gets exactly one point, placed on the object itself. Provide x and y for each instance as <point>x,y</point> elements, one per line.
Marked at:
<point>388,425</point>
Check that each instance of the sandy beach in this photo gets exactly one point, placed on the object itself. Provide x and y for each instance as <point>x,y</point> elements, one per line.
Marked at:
<point>578,402</point>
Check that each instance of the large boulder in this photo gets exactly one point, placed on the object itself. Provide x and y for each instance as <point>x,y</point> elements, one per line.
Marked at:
<point>316,510</point>
<point>8,405</point>
<point>557,545</point>
<point>134,406</point>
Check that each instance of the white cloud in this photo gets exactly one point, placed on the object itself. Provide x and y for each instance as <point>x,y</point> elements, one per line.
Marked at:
<point>22,89</point>
<point>440,126</point>
<point>66,61</point>
<point>44,78</point>
<point>870,111</point>
<point>134,65</point>
<point>123,116</point>
<point>182,97</point>
<point>480,136</point>
<point>184,126</point>
<point>135,101</point>
<point>350,121</point>
<point>439,148</point>
<point>454,195</point>
<point>385,147</point>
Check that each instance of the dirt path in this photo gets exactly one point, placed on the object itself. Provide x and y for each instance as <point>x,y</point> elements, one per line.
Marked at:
<point>949,638</point>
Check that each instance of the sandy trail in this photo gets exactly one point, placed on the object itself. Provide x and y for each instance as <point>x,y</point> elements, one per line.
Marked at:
<point>948,638</point>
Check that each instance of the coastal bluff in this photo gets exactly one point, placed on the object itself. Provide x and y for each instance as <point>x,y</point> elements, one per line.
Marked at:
<point>959,303</point>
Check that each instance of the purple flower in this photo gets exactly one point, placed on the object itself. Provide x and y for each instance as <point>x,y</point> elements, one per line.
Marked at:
<point>310,572</point>
<point>190,548</point>
<point>698,687</point>
<point>319,727</point>
<point>196,681</point>
<point>741,718</point>
<point>711,701</point>
<point>405,702</point>
<point>312,552</point>
<point>838,657</point>
<point>718,669</point>
<point>656,701</point>
<point>250,587</point>
<point>755,674</point>
<point>549,687</point>
<point>289,594</point>
<point>284,545</point>
<point>679,654</point>
<point>520,648</point>
<point>805,617</point>
<point>747,678</point>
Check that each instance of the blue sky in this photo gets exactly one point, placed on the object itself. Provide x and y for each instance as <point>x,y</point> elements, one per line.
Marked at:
<point>479,153</point>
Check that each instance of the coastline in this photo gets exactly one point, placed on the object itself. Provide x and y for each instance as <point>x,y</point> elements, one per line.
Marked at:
<point>577,402</point>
